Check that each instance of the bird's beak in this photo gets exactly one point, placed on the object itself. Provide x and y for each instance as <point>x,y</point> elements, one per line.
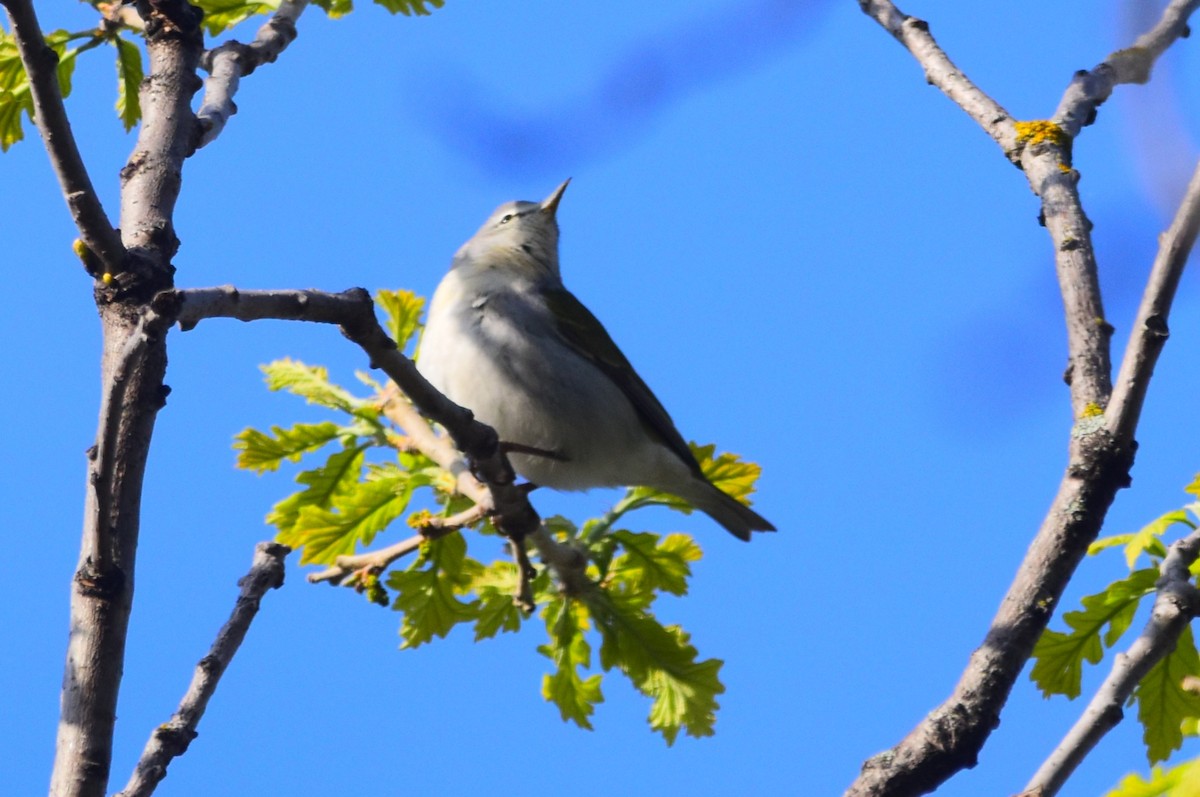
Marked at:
<point>550,203</point>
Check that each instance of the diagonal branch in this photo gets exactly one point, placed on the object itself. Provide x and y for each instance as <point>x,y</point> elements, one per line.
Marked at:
<point>232,61</point>
<point>41,66</point>
<point>1177,601</point>
<point>951,736</point>
<point>1150,330</point>
<point>171,739</point>
<point>354,312</point>
<point>488,479</point>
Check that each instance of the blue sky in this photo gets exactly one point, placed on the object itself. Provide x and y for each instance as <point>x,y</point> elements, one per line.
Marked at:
<point>814,258</point>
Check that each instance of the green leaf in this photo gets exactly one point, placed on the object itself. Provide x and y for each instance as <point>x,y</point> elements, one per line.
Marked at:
<point>652,563</point>
<point>1147,538</point>
<point>410,7</point>
<point>661,663</point>
<point>221,15</point>
<point>1163,703</point>
<point>15,98</point>
<point>731,475</point>
<point>1104,543</point>
<point>58,41</point>
<point>403,310</point>
<point>1060,656</point>
<point>1193,487</point>
<point>1180,781</point>
<point>576,697</point>
<point>339,474</point>
<point>427,592</point>
<point>311,382</point>
<point>496,585</point>
<point>129,79</point>
<point>261,452</point>
<point>335,9</point>
<point>358,513</point>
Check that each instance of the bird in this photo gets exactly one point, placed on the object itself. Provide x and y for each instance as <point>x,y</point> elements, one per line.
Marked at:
<point>505,339</point>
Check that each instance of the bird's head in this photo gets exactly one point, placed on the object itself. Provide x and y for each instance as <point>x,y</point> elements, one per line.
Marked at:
<point>520,237</point>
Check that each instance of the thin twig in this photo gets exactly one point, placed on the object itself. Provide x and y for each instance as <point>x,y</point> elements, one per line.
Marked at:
<point>41,66</point>
<point>1150,330</point>
<point>232,61</point>
<point>171,739</point>
<point>1175,605</point>
<point>940,71</point>
<point>1092,87</point>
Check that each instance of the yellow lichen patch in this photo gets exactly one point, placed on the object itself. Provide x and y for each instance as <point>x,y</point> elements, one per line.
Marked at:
<point>420,519</point>
<point>1040,131</point>
<point>107,278</point>
<point>1092,410</point>
<point>79,248</point>
<point>1064,168</point>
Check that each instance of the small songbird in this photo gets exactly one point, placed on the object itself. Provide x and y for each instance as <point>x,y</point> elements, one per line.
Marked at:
<point>507,341</point>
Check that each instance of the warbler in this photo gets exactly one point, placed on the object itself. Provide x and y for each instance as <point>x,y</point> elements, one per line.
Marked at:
<point>507,341</point>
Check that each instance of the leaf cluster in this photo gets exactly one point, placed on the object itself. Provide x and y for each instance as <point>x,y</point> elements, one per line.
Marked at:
<point>1166,708</point>
<point>120,27</point>
<point>369,476</point>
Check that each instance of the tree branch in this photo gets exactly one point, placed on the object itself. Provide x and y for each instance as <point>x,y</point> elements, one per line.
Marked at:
<point>133,364</point>
<point>940,71</point>
<point>41,66</point>
<point>1175,604</point>
<point>950,737</point>
<point>494,490</point>
<point>1132,65</point>
<point>233,60</point>
<point>1150,331</point>
<point>171,739</point>
<point>354,312</point>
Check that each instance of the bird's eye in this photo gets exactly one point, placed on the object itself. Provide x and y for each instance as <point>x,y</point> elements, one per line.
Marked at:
<point>506,219</point>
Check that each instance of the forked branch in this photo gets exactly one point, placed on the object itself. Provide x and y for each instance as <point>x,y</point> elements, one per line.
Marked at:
<point>1101,451</point>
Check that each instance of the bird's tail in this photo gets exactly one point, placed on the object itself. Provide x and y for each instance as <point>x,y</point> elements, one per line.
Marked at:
<point>737,518</point>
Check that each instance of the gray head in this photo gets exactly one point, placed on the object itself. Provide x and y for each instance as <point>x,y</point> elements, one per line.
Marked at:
<point>522,236</point>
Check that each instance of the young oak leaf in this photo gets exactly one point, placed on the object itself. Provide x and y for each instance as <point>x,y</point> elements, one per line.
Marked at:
<point>410,7</point>
<point>221,15</point>
<point>340,473</point>
<point>495,585</point>
<point>1174,782</point>
<point>732,475</point>
<point>1163,703</point>
<point>335,9</point>
<point>1147,539</point>
<point>15,97</point>
<point>427,593</point>
<point>651,563</point>
<point>403,310</point>
<point>358,513</point>
<point>1060,656</point>
<point>129,80</point>
<point>661,663</point>
<point>311,382</point>
<point>260,452</point>
<point>576,697</point>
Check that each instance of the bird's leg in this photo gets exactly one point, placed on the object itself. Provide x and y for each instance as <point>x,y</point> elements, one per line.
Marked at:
<point>524,596</point>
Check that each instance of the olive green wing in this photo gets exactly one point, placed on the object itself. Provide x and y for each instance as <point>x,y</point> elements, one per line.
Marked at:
<point>584,333</point>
